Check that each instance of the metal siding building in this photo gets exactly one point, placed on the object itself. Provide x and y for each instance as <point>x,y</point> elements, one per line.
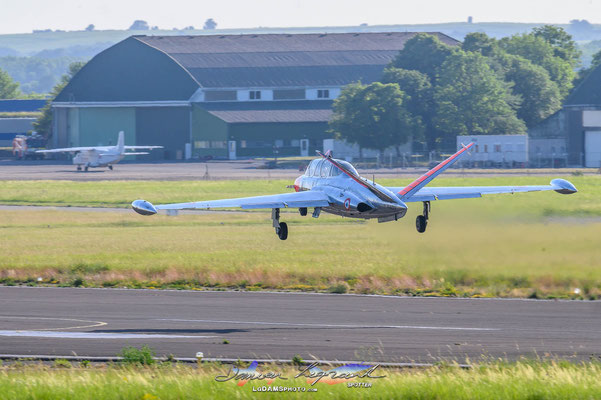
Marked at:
<point>220,95</point>
<point>574,132</point>
<point>13,126</point>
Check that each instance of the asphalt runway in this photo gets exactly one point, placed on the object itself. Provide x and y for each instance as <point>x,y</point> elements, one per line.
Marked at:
<point>99,322</point>
<point>175,171</point>
<point>220,170</point>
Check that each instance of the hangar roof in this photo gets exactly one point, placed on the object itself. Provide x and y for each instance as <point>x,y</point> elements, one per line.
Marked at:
<point>274,60</point>
<point>173,68</point>
<point>588,92</point>
<point>21,105</point>
<point>270,112</point>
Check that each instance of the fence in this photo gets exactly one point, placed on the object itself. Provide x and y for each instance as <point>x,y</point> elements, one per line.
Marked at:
<point>483,160</point>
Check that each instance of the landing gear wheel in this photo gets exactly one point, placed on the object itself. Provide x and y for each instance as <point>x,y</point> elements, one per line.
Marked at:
<point>111,167</point>
<point>79,167</point>
<point>86,168</point>
<point>421,223</point>
<point>303,211</point>
<point>282,231</point>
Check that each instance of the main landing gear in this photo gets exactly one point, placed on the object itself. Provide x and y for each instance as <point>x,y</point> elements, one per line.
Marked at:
<point>421,222</point>
<point>111,167</point>
<point>281,228</point>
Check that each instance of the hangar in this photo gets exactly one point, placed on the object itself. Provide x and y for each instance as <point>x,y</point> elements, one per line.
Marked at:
<point>573,133</point>
<point>224,96</point>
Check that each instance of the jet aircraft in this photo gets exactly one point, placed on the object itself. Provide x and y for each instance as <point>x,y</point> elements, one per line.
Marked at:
<point>335,187</point>
<point>101,156</point>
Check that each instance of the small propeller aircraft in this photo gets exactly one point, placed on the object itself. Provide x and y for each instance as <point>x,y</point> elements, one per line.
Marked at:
<point>334,186</point>
<point>101,156</point>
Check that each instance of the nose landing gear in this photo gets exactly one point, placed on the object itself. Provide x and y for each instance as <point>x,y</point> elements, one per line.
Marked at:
<point>421,222</point>
<point>281,228</point>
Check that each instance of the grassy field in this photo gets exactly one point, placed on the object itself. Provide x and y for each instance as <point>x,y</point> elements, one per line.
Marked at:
<point>541,245</point>
<point>529,380</point>
<point>122,193</point>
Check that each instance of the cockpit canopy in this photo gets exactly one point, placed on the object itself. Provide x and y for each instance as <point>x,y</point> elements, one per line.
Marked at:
<point>324,169</point>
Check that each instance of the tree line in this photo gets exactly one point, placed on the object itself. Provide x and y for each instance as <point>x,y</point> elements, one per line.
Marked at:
<point>432,92</point>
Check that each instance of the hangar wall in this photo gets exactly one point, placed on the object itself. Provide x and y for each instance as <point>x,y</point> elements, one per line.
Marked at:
<point>167,126</point>
<point>101,126</point>
<point>251,138</point>
<point>208,133</point>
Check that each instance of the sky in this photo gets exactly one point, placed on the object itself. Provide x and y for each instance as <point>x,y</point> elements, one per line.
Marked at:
<point>22,16</point>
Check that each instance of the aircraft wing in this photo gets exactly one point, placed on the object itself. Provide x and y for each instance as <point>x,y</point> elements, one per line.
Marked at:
<point>310,198</point>
<point>142,147</point>
<point>73,149</point>
<point>469,192</point>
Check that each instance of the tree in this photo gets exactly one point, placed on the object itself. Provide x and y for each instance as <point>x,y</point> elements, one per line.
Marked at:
<point>419,98</point>
<point>43,125</point>
<point>423,53</point>
<point>583,73</point>
<point>373,116</point>
<point>139,25</point>
<point>481,43</point>
<point>540,52</point>
<point>472,100</point>
<point>562,42</point>
<point>596,59</point>
<point>540,95</point>
<point>536,96</point>
<point>210,24</point>
<point>90,27</point>
<point>9,89</point>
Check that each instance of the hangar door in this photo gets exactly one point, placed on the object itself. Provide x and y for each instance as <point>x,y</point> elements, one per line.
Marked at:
<point>592,149</point>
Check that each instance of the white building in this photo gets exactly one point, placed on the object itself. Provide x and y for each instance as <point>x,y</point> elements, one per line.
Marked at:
<point>495,150</point>
<point>347,151</point>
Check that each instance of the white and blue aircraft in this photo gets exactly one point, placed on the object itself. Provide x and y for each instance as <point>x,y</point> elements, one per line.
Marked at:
<point>335,187</point>
<point>101,156</point>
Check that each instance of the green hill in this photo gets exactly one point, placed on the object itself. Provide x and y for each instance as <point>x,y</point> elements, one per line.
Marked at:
<point>37,60</point>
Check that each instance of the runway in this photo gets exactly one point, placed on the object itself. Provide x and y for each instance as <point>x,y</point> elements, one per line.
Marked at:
<point>99,322</point>
<point>223,170</point>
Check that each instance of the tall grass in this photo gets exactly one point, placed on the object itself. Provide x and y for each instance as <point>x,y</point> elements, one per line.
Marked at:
<point>460,254</point>
<point>524,380</point>
<point>523,245</point>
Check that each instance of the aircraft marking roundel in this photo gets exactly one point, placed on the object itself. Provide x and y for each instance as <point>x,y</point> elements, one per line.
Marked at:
<point>347,203</point>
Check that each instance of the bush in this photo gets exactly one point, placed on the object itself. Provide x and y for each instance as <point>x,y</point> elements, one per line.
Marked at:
<point>142,356</point>
<point>340,288</point>
<point>62,363</point>
<point>297,360</point>
<point>77,282</point>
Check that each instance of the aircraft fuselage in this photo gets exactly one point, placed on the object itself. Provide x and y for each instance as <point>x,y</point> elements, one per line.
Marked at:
<point>94,158</point>
<point>351,196</point>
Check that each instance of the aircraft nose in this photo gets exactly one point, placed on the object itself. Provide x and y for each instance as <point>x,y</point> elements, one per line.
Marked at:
<point>143,207</point>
